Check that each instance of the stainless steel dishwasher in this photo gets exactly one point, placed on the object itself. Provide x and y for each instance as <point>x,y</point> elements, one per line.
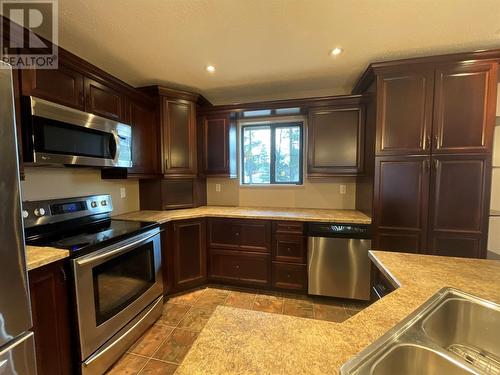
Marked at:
<point>338,264</point>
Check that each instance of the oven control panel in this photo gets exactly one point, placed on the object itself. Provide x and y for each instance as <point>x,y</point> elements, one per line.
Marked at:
<point>55,210</point>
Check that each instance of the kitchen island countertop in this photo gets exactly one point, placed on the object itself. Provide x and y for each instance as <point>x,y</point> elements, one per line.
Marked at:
<point>236,341</point>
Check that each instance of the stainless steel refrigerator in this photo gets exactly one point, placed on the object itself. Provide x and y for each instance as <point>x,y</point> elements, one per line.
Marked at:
<point>17,345</point>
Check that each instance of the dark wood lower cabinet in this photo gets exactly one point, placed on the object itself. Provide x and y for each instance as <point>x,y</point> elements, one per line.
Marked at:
<point>189,254</point>
<point>184,255</point>
<point>239,267</point>
<point>51,319</point>
<point>239,253</point>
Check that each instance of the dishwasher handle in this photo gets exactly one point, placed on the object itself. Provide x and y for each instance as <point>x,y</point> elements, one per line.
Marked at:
<point>339,230</point>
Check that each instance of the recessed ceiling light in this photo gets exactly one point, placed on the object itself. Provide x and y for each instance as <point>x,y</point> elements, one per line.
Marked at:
<point>336,51</point>
<point>210,68</point>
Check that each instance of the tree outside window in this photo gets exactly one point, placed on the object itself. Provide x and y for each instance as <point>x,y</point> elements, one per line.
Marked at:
<point>272,153</point>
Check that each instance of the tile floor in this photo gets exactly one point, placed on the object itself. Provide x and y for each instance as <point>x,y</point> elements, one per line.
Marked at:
<point>161,349</point>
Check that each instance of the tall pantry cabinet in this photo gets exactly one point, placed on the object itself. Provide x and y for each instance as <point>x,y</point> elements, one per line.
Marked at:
<point>432,146</point>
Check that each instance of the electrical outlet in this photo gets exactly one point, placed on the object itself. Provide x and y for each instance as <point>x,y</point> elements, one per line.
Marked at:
<point>217,188</point>
<point>123,192</point>
<point>343,189</point>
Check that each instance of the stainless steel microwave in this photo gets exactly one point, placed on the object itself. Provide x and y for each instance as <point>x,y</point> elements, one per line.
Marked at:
<point>56,134</point>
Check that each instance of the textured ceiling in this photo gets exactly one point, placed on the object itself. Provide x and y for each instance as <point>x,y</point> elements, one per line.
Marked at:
<point>267,49</point>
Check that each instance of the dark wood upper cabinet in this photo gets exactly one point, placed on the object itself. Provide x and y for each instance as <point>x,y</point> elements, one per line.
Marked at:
<point>51,319</point>
<point>404,112</point>
<point>400,203</point>
<point>335,141</point>
<point>464,105</point>
<point>219,146</point>
<point>190,263</point>
<point>179,137</point>
<point>63,85</point>
<point>103,100</point>
<point>145,142</point>
<point>458,205</point>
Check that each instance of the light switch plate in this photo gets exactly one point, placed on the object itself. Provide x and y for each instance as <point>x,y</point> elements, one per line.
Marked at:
<point>217,188</point>
<point>343,189</point>
<point>123,192</point>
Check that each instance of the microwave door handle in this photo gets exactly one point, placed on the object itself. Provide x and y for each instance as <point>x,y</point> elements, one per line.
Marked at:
<point>105,254</point>
<point>116,139</point>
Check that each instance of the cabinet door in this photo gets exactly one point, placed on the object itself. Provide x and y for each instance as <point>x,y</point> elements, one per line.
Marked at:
<point>179,137</point>
<point>62,85</point>
<point>189,253</point>
<point>223,233</point>
<point>335,141</point>
<point>400,203</point>
<point>51,319</point>
<point>219,146</point>
<point>145,147</point>
<point>103,100</point>
<point>404,112</point>
<point>464,108</point>
<point>458,205</point>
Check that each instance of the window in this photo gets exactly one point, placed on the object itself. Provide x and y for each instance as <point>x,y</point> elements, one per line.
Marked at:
<point>271,153</point>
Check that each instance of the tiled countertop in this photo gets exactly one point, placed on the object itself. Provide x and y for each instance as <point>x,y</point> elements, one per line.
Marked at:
<point>37,256</point>
<point>237,341</point>
<point>291,214</point>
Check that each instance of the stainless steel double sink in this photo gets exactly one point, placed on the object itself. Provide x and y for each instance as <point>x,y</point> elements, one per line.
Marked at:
<point>452,333</point>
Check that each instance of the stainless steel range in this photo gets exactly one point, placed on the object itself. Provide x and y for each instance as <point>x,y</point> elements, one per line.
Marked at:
<point>116,272</point>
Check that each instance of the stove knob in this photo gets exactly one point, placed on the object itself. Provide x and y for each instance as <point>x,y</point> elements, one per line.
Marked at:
<point>25,214</point>
<point>93,204</point>
<point>39,212</point>
<point>104,203</point>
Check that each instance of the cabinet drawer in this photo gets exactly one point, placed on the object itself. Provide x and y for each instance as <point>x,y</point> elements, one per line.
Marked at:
<point>289,248</point>
<point>288,227</point>
<point>240,267</point>
<point>289,276</point>
<point>244,235</point>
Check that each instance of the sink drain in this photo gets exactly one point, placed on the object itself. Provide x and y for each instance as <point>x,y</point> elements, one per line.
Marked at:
<point>484,361</point>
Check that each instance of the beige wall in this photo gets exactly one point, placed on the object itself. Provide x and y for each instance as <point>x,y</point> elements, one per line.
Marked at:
<point>322,193</point>
<point>47,183</point>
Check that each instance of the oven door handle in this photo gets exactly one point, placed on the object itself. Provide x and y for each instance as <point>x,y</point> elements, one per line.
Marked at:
<point>112,253</point>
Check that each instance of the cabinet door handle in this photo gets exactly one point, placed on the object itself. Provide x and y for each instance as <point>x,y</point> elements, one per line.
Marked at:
<point>426,166</point>
<point>435,163</point>
<point>63,275</point>
<point>436,141</point>
<point>428,145</point>
<point>288,275</point>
